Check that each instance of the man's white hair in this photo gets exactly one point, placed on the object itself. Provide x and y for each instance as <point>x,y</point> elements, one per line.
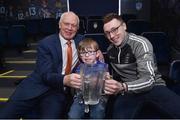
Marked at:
<point>70,12</point>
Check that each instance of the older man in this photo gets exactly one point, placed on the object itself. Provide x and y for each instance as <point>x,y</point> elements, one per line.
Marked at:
<point>46,86</point>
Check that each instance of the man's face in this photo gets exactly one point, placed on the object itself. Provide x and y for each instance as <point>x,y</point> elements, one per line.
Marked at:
<point>115,31</point>
<point>69,26</point>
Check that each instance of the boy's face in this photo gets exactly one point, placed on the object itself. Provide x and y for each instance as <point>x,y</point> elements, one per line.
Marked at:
<point>89,56</point>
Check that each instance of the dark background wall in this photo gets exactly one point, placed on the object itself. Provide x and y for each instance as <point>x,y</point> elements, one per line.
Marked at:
<point>93,7</point>
<point>141,8</point>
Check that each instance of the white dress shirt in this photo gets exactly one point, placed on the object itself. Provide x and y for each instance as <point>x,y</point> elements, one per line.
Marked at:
<point>64,53</point>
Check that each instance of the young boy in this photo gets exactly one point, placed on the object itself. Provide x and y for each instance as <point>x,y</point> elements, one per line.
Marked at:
<point>89,52</point>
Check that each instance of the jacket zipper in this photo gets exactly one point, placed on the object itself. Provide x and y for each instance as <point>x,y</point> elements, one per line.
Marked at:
<point>119,54</point>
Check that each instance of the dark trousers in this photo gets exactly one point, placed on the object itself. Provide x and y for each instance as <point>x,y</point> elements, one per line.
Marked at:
<point>49,105</point>
<point>127,106</point>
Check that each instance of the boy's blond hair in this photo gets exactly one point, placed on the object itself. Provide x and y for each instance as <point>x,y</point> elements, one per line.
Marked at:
<point>87,43</point>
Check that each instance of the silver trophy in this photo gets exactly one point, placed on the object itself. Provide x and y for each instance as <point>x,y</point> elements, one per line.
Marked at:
<point>93,82</point>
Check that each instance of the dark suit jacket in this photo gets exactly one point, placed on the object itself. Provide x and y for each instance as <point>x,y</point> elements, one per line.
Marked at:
<point>47,74</point>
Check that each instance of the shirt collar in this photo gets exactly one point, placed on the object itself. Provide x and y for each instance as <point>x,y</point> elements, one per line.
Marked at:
<point>63,41</point>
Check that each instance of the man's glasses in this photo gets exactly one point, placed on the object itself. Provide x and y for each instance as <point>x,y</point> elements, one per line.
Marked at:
<point>87,53</point>
<point>113,31</point>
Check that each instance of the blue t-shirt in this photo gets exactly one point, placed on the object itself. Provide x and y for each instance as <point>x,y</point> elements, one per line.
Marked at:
<point>98,65</point>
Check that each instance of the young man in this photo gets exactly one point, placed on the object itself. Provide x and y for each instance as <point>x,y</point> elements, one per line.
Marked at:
<point>135,76</point>
<point>89,53</point>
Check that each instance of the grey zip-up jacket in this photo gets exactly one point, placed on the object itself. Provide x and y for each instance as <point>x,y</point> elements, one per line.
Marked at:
<point>133,62</point>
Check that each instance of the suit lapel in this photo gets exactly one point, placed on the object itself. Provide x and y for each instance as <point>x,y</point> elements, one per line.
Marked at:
<point>58,48</point>
<point>77,39</point>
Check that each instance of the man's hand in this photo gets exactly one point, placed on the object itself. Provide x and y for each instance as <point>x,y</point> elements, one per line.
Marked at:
<point>113,87</point>
<point>73,80</point>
